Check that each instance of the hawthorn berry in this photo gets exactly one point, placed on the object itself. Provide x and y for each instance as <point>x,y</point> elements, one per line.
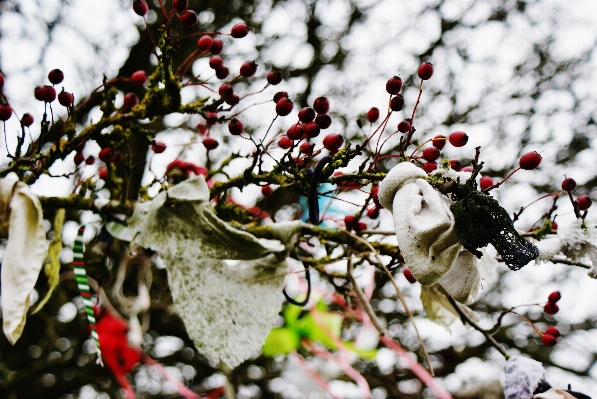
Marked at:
<point>248,69</point>
<point>312,129</point>
<point>211,117</point>
<point>103,173</point>
<point>554,297</point>
<point>430,154</point>
<point>458,138</point>
<point>239,30</point>
<point>549,340</point>
<point>106,154</point>
<point>90,160</point>
<point>455,164</point>
<point>205,42</point>
<point>568,184</point>
<point>409,276</point>
<point>46,93</point>
<point>551,308</point>
<point>158,147</point>
<point>296,132</point>
<point>305,147</point>
<point>554,226</point>
<point>55,76</point>
<point>348,221</point>
<point>285,143</point>
<point>306,115</point>
<point>130,100</point>
<point>232,100</point>
<point>274,77</point>
<point>139,77</point>
<point>439,142</point>
<point>216,47</point>
<point>222,73</point>
<point>180,5</point>
<point>27,120</point>
<point>374,196</point>
<point>360,226</point>
<point>373,213</point>
<point>65,98</point>
<point>37,93</point>
<point>235,127</point>
<point>530,160</point>
<point>323,121</point>
<point>216,62</point>
<point>189,18</point>
<point>553,330</point>
<point>373,115</point>
<point>280,95</point>
<point>284,106</point>
<point>584,202</point>
<point>79,158</point>
<point>425,71</point>
<point>5,112</point>
<point>485,182</point>
<point>140,7</point>
<point>429,167</point>
<point>394,85</point>
<point>266,191</point>
<point>225,90</point>
<point>321,105</point>
<point>333,142</point>
<point>397,103</point>
<point>404,126</point>
<point>1,80</point>
<point>210,143</point>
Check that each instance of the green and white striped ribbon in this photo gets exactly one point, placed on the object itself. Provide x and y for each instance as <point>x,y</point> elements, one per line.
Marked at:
<point>83,283</point>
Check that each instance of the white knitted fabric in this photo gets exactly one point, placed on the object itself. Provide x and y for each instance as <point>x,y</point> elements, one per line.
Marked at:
<point>426,234</point>
<point>523,376</point>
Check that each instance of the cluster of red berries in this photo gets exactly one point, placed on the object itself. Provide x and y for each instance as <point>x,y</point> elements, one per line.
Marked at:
<point>373,212</point>
<point>551,307</point>
<point>583,202</point>
<point>551,334</point>
<point>351,224</point>
<point>432,154</point>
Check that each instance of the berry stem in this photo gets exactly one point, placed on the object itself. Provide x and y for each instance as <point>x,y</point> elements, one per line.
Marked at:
<point>574,204</point>
<point>412,121</point>
<point>496,185</point>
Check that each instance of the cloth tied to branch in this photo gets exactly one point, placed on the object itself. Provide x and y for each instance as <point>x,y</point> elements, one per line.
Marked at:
<point>226,283</point>
<point>21,218</point>
<point>523,376</point>
<point>426,233</point>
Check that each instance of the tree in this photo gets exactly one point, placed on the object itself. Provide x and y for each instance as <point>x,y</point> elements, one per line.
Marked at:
<point>244,152</point>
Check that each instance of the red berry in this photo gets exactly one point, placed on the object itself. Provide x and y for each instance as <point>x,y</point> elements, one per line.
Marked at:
<point>584,202</point>
<point>551,308</point>
<point>568,184</point>
<point>106,154</point>
<point>225,90</point>
<point>274,77</point>
<point>429,167</point>
<point>305,147</point>
<point>530,160</point>
<point>323,121</point>
<point>348,221</point>
<point>239,30</point>
<point>321,105</point>
<point>549,340</point>
<point>139,77</point>
<point>235,127</point>
<point>374,192</point>
<point>404,126</point>
<point>158,147</point>
<point>47,94</point>
<point>455,164</point>
<point>66,99</point>
<point>360,226</point>
<point>312,129</point>
<point>79,158</point>
<point>373,115</point>
<point>130,100</point>
<point>430,154</point>
<point>180,5</point>
<point>285,143</point>
<point>266,191</point>
<point>216,62</point>
<point>140,7</point>
<point>306,115</point>
<point>373,213</point>
<point>466,169</point>
<point>27,120</point>
<point>210,143</point>
<point>485,182</point>
<point>284,106</point>
<point>554,297</point>
<point>5,112</point>
<point>394,85</point>
<point>90,160</point>
<point>232,100</point>
<point>458,138</point>
<point>409,276</point>
<point>188,18</point>
<point>554,226</point>
<point>37,92</point>
<point>425,71</point>
<point>296,132</point>
<point>216,47</point>
<point>205,42</point>
<point>333,142</point>
<point>439,142</point>
<point>553,330</point>
<point>1,80</point>
<point>211,117</point>
<point>55,76</point>
<point>103,173</point>
<point>248,69</point>
<point>222,73</point>
<point>280,95</point>
<point>397,103</point>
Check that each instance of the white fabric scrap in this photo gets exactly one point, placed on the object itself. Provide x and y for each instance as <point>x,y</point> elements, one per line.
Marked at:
<point>225,283</point>
<point>21,218</point>
<point>438,308</point>
<point>523,376</point>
